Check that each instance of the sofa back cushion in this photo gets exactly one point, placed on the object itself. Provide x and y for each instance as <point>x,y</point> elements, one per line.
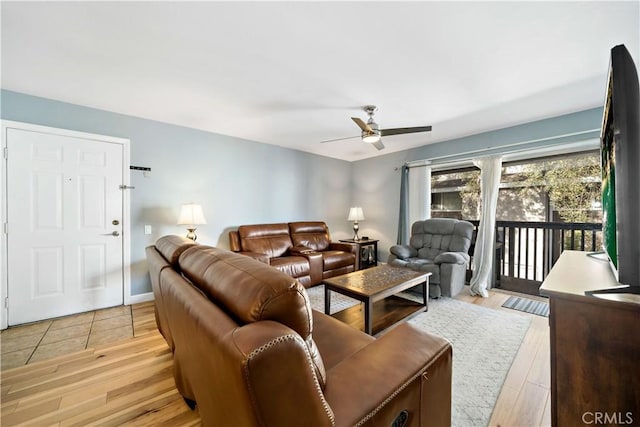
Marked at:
<point>171,247</point>
<point>433,236</point>
<point>251,291</point>
<point>312,234</point>
<point>272,240</point>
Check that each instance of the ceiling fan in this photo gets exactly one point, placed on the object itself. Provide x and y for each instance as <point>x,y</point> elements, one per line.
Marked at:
<point>372,134</point>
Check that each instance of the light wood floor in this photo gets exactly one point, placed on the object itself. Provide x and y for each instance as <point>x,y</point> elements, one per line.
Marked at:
<point>130,382</point>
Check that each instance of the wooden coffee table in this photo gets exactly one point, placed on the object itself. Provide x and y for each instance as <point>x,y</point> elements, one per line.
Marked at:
<point>377,287</point>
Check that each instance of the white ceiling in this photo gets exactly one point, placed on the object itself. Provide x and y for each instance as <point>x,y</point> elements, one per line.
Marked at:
<point>293,73</point>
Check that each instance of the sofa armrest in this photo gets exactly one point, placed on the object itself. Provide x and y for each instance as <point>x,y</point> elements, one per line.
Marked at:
<point>452,258</point>
<point>315,266</point>
<point>403,251</point>
<point>345,247</point>
<point>279,373</point>
<point>257,256</point>
<point>404,369</point>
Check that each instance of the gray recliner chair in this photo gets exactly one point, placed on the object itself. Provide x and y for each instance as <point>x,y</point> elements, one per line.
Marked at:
<point>438,246</point>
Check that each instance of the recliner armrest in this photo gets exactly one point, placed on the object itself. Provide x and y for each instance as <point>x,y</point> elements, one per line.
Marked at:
<point>452,258</point>
<point>345,247</point>
<point>403,251</point>
<point>279,373</point>
<point>257,256</point>
<point>370,383</point>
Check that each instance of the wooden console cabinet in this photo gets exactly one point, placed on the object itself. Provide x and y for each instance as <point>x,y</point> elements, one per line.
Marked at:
<point>595,345</point>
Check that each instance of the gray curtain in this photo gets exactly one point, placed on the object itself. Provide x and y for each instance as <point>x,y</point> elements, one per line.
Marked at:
<point>403,221</point>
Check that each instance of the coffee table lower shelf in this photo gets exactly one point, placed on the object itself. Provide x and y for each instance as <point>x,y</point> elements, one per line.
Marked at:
<point>386,313</point>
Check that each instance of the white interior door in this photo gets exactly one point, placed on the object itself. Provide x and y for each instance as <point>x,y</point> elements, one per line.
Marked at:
<point>64,225</point>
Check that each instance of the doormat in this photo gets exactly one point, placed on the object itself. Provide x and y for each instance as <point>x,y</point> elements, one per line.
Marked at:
<point>527,305</point>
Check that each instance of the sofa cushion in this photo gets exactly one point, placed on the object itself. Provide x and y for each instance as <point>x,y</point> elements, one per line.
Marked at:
<point>336,340</point>
<point>251,291</point>
<point>269,239</point>
<point>294,266</point>
<point>171,247</point>
<point>312,234</point>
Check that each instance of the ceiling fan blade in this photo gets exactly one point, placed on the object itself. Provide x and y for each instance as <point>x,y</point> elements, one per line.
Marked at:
<point>361,124</point>
<point>378,145</point>
<point>340,139</point>
<point>399,131</point>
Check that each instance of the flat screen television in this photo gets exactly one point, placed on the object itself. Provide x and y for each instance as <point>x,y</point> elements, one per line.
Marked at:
<point>620,161</point>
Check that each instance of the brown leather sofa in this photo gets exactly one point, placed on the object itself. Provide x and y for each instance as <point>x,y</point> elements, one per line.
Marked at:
<point>249,351</point>
<point>303,250</point>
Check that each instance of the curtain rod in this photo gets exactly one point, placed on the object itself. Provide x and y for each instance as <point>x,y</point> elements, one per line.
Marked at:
<point>461,156</point>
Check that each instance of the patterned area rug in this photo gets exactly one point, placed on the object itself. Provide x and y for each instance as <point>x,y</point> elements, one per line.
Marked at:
<point>541,308</point>
<point>338,302</point>
<point>485,342</point>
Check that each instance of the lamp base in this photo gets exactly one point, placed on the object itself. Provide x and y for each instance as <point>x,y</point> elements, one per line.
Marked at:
<point>192,234</point>
<point>356,227</point>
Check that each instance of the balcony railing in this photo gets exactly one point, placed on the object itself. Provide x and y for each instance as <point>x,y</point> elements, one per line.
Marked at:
<point>526,251</point>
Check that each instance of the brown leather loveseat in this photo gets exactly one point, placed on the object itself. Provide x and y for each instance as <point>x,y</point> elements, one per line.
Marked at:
<point>303,250</point>
<point>249,351</point>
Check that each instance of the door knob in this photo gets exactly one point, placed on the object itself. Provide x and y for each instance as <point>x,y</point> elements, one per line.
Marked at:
<point>115,233</point>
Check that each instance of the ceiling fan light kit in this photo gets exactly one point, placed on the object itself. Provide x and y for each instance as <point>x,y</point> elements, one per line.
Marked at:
<point>372,134</point>
<point>371,137</point>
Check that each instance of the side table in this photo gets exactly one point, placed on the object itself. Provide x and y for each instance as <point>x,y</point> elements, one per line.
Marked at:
<point>368,252</point>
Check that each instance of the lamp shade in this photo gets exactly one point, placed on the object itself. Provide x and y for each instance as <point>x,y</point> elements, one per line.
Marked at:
<point>191,214</point>
<point>355,214</point>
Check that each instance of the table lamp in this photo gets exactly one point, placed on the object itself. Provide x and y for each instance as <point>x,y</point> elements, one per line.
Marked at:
<point>355,215</point>
<point>191,215</point>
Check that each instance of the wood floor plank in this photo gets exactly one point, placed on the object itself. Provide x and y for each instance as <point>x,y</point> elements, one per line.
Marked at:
<point>8,408</point>
<point>68,379</point>
<point>29,412</point>
<point>120,383</point>
<point>70,361</point>
<point>73,380</point>
<point>174,413</point>
<point>504,405</point>
<point>119,411</point>
<point>529,406</point>
<point>539,372</point>
<point>95,403</point>
<point>59,416</point>
<point>521,366</point>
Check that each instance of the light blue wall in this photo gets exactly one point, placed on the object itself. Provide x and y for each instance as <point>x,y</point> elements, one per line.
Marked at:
<point>377,180</point>
<point>243,182</point>
<point>236,181</point>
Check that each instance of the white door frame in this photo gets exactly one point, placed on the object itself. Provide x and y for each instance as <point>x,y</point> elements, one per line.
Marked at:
<point>126,213</point>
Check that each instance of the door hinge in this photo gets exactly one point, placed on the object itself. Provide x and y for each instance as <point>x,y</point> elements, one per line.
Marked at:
<point>127,187</point>
<point>5,152</point>
<point>5,228</point>
<point>6,302</point>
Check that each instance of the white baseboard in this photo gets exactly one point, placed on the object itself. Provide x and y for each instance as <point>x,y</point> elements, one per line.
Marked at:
<point>136,299</point>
